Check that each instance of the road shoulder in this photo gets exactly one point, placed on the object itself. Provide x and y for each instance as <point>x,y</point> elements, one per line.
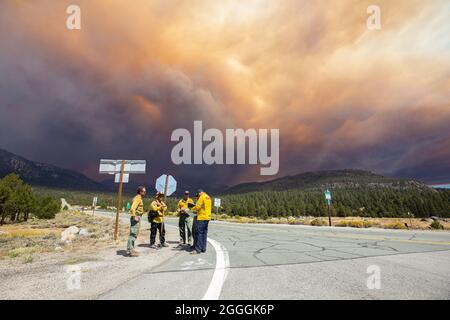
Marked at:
<point>82,274</point>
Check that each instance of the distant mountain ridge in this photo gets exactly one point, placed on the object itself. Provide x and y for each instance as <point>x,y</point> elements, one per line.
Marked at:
<point>347,178</point>
<point>44,175</point>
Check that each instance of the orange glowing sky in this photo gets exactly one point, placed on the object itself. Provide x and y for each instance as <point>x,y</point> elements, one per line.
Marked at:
<point>343,96</point>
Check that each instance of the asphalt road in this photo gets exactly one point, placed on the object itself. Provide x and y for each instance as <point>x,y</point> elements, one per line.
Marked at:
<point>301,262</point>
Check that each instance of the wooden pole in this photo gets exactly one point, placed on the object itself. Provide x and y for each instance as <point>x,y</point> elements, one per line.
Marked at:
<point>165,188</point>
<point>329,214</point>
<point>119,200</point>
<point>94,203</point>
<point>165,193</point>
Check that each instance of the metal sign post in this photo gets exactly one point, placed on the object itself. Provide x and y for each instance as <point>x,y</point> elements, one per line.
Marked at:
<point>328,200</point>
<point>121,170</point>
<point>165,189</point>
<point>217,205</point>
<point>119,200</point>
<point>94,204</point>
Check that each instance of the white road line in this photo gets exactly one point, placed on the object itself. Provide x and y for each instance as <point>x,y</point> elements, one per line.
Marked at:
<point>220,272</point>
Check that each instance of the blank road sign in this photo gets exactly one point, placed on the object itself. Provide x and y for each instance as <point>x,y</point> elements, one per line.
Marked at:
<point>115,166</point>
<point>125,179</point>
<point>216,202</point>
<point>107,166</point>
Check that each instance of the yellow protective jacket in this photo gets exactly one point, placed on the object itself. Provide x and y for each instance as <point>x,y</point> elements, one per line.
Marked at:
<point>137,207</point>
<point>203,207</point>
<point>183,204</point>
<point>159,207</point>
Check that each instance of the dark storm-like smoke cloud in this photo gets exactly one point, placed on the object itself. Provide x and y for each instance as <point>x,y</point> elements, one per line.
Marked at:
<point>341,97</point>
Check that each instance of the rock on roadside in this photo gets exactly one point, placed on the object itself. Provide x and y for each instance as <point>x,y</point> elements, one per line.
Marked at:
<point>69,234</point>
<point>83,232</point>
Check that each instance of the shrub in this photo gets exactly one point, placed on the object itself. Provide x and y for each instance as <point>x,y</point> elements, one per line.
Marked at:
<point>273,220</point>
<point>356,224</point>
<point>395,225</point>
<point>14,253</point>
<point>436,225</point>
<point>17,201</point>
<point>318,222</point>
<point>367,224</point>
<point>28,259</point>
<point>341,223</point>
<point>46,208</point>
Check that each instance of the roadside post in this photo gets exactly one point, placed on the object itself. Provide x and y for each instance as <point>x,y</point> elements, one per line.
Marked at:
<point>328,200</point>
<point>121,170</point>
<point>94,204</point>
<point>217,205</point>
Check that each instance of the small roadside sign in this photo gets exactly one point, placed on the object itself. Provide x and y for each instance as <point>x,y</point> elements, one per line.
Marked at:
<point>216,202</point>
<point>328,196</point>
<point>328,200</point>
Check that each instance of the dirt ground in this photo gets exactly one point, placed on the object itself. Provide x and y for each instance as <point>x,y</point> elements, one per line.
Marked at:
<point>36,265</point>
<point>28,239</point>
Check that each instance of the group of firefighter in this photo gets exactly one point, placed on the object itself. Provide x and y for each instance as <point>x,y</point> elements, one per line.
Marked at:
<point>193,221</point>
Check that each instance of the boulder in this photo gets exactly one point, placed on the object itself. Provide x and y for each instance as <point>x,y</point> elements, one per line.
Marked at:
<point>83,232</point>
<point>69,234</point>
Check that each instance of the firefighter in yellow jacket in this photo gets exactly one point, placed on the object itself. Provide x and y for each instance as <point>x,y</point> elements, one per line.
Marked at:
<point>203,209</point>
<point>185,221</point>
<point>156,218</point>
<point>136,212</point>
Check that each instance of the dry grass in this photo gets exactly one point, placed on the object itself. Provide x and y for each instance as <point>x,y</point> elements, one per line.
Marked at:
<point>353,222</point>
<point>29,239</point>
<point>318,222</point>
<point>24,232</point>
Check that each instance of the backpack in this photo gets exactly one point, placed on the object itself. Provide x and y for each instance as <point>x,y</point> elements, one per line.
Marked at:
<point>152,215</point>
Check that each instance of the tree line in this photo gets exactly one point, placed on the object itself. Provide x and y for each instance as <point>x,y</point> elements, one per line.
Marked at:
<point>362,201</point>
<point>18,201</point>
<point>350,201</point>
